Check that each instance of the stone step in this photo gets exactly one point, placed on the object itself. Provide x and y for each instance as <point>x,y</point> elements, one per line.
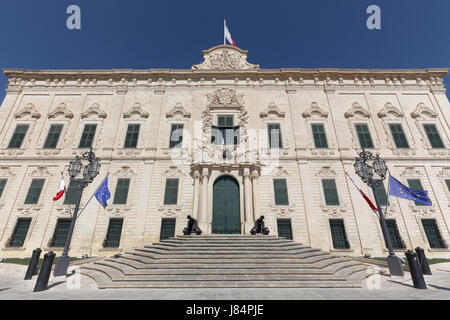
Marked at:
<point>222,251</point>
<point>222,246</point>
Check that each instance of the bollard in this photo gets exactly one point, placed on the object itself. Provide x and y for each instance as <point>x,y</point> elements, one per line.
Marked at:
<point>44,274</point>
<point>423,261</point>
<point>33,266</point>
<point>416,272</point>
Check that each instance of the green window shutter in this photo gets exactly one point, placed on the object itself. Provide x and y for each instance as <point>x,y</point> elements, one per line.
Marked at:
<point>20,232</point>
<point>34,191</point>
<point>365,140</point>
<point>2,186</point>
<point>338,234</point>
<point>398,135</point>
<point>320,138</point>
<point>226,121</point>
<point>330,192</point>
<point>171,193</point>
<point>382,196</point>
<point>281,192</point>
<point>60,233</point>
<point>433,234</point>
<point>114,232</point>
<point>121,194</point>
<point>236,135</point>
<point>53,136</point>
<point>176,136</point>
<point>274,136</point>
<point>131,139</point>
<point>394,234</point>
<point>447,181</point>
<point>433,136</point>
<point>72,192</point>
<point>167,228</point>
<point>18,136</point>
<point>284,228</point>
<point>416,185</point>
<point>88,136</point>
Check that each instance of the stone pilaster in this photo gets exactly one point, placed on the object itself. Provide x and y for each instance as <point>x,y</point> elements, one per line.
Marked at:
<point>255,194</point>
<point>196,201</point>
<point>203,221</point>
<point>248,201</point>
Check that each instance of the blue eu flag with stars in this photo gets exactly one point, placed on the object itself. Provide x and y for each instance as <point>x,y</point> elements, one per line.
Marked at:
<point>103,194</point>
<point>397,189</point>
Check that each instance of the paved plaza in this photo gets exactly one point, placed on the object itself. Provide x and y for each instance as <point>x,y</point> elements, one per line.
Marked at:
<point>79,287</point>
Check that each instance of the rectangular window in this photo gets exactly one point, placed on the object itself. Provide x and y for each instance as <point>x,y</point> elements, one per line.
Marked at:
<point>167,228</point>
<point>176,136</point>
<point>394,234</point>
<point>225,133</point>
<point>284,228</point>
<point>171,193</point>
<point>275,136</point>
<point>34,192</point>
<point>447,181</point>
<point>2,186</point>
<point>60,234</point>
<point>281,192</point>
<point>53,136</point>
<point>330,192</point>
<point>433,234</point>
<point>433,136</point>
<point>88,136</point>
<point>320,138</point>
<point>18,136</point>
<point>20,232</point>
<point>72,192</point>
<point>121,194</point>
<point>416,185</point>
<point>338,234</point>
<point>381,194</point>
<point>131,139</point>
<point>114,232</point>
<point>226,121</point>
<point>365,140</point>
<point>398,135</point>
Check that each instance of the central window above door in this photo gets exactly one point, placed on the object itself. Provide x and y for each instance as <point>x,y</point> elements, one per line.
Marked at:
<point>225,133</point>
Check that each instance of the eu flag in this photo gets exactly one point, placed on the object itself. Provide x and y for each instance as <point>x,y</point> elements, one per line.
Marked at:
<point>103,194</point>
<point>397,189</point>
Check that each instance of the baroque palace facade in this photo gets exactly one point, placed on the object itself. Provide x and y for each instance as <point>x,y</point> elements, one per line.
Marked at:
<point>224,142</point>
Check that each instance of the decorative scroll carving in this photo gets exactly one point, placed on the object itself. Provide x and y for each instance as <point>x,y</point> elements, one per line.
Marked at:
<point>314,111</point>
<point>225,58</point>
<point>422,111</point>
<point>326,172</point>
<point>280,171</point>
<point>390,109</point>
<point>6,172</point>
<point>40,172</point>
<point>173,171</point>
<point>411,172</point>
<point>94,110</point>
<point>125,171</point>
<point>356,111</point>
<point>272,111</point>
<point>28,111</point>
<point>225,97</point>
<point>136,111</point>
<point>178,112</point>
<point>62,110</point>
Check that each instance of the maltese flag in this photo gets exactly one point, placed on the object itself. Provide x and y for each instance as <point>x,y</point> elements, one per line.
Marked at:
<point>61,189</point>
<point>227,35</point>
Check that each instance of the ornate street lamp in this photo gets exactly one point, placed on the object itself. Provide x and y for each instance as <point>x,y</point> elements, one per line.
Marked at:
<point>90,171</point>
<point>366,173</point>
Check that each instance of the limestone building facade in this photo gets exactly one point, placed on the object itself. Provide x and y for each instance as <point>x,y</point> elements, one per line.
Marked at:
<point>225,142</point>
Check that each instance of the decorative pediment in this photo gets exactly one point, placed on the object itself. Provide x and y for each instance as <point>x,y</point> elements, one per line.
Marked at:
<point>125,171</point>
<point>29,111</point>
<point>280,172</point>
<point>225,98</point>
<point>61,110</point>
<point>225,58</point>
<point>356,111</point>
<point>94,110</point>
<point>173,171</point>
<point>389,109</point>
<point>411,172</point>
<point>445,172</point>
<point>272,111</point>
<point>178,112</point>
<point>314,111</point>
<point>40,172</point>
<point>326,172</point>
<point>422,111</point>
<point>6,172</point>
<point>136,111</point>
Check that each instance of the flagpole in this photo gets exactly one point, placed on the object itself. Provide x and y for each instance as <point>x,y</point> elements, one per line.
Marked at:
<point>224,24</point>
<point>389,181</point>
<point>93,195</point>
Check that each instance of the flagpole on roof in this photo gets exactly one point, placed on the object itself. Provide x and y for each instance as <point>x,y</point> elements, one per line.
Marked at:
<point>224,24</point>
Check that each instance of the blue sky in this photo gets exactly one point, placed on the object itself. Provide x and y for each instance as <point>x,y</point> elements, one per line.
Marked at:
<point>145,34</point>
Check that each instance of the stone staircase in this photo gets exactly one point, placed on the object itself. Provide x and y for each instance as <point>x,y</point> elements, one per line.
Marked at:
<point>226,261</point>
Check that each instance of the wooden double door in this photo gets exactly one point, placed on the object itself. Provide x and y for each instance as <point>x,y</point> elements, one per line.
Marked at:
<point>226,206</point>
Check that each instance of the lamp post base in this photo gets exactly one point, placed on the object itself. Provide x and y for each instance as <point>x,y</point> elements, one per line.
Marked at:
<point>395,265</point>
<point>62,264</point>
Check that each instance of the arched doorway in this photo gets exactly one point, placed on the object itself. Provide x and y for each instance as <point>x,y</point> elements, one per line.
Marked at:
<point>226,207</point>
